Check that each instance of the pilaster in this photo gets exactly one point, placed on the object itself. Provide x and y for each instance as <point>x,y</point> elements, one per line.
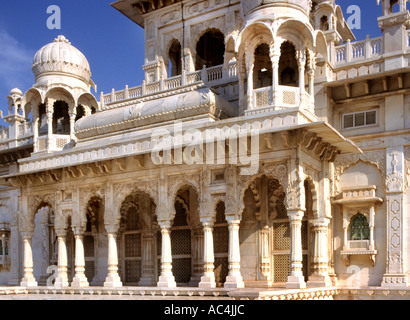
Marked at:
<point>395,275</point>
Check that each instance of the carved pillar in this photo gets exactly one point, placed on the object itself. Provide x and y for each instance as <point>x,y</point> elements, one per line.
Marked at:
<point>395,275</point>
<point>249,57</point>
<point>62,278</point>
<point>79,280</point>
<point>274,53</point>
<point>264,255</point>
<point>241,76</point>
<point>296,279</point>
<point>311,77</point>
<point>301,57</point>
<point>28,277</point>
<point>113,279</point>
<point>49,113</point>
<point>166,278</point>
<point>72,124</point>
<point>208,279</point>
<point>295,198</point>
<point>147,274</point>
<point>234,278</point>
<point>35,128</point>
<point>320,276</point>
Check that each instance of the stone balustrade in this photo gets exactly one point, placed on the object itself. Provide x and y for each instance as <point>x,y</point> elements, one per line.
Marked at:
<point>214,76</point>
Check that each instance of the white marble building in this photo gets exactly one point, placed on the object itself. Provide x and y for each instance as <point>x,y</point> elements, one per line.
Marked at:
<point>266,149</point>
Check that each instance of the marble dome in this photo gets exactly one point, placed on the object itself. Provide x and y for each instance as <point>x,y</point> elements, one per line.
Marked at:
<point>61,58</point>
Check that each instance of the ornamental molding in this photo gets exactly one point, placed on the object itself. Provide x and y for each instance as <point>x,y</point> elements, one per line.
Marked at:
<point>343,162</point>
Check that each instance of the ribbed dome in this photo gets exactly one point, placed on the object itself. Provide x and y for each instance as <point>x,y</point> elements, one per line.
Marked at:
<point>250,5</point>
<point>61,57</point>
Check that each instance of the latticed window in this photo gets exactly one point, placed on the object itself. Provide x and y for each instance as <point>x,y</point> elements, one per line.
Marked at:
<point>181,245</point>
<point>359,228</point>
<point>221,245</point>
<point>132,250</point>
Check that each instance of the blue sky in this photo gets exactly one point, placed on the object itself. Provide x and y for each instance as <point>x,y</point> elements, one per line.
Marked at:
<point>113,45</point>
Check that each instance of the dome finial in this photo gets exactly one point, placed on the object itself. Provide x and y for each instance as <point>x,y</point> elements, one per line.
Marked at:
<point>61,38</point>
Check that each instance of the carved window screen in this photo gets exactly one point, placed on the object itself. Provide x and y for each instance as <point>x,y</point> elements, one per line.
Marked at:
<point>132,247</point>
<point>221,245</point>
<point>181,246</point>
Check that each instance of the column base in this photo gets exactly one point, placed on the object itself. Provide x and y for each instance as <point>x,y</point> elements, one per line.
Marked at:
<point>395,281</point>
<point>296,282</point>
<point>113,281</point>
<point>61,283</point>
<point>207,281</point>
<point>80,282</point>
<point>167,281</point>
<point>234,282</point>
<point>28,282</point>
<point>319,281</point>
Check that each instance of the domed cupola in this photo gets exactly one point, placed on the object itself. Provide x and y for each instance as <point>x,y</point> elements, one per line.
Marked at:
<point>60,60</point>
<point>289,6</point>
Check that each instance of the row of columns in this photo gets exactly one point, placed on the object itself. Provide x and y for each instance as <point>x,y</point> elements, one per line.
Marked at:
<point>275,54</point>
<point>49,115</point>
<point>166,279</point>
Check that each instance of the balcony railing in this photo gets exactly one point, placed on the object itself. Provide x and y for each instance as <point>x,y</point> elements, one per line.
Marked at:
<point>356,51</point>
<point>283,97</point>
<point>213,76</point>
<point>57,142</point>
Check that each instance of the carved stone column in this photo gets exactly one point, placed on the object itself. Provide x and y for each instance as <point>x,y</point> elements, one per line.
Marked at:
<point>79,280</point>
<point>295,205</point>
<point>49,113</point>
<point>320,276</point>
<point>208,279</point>
<point>296,279</point>
<point>35,128</point>
<point>62,279</point>
<point>234,278</point>
<point>166,278</point>
<point>265,255</point>
<point>274,53</point>
<point>113,279</point>
<point>301,57</point>
<point>28,277</point>
<point>249,57</point>
<point>395,275</point>
<point>241,76</point>
<point>72,124</point>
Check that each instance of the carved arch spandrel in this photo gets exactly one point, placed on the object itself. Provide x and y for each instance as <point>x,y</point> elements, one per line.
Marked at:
<point>175,183</point>
<point>34,203</point>
<point>123,190</point>
<point>277,171</point>
<point>343,162</point>
<point>86,194</point>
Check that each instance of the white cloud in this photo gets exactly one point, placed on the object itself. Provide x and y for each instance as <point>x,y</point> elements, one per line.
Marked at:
<point>15,64</point>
